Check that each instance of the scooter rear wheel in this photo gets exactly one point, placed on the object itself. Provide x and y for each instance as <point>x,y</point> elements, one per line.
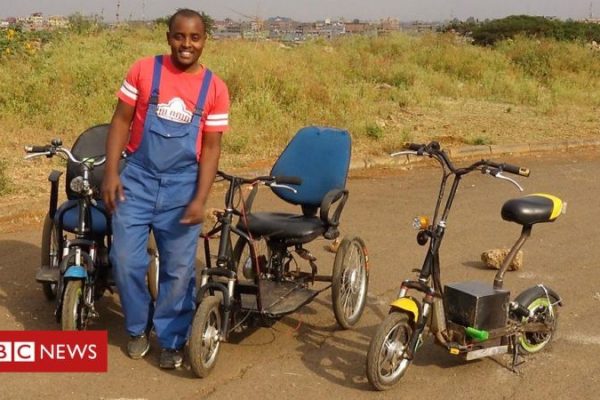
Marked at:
<point>205,337</point>
<point>385,364</point>
<point>543,309</point>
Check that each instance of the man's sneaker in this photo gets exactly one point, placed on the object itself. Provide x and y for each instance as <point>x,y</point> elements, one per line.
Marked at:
<point>170,358</point>
<point>138,346</point>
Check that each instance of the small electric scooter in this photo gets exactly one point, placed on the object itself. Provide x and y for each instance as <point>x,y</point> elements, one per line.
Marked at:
<point>469,319</point>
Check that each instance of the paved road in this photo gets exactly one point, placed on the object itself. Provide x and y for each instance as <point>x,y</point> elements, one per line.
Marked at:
<point>305,355</point>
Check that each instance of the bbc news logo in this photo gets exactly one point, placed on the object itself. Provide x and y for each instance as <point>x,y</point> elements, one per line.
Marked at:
<point>53,351</point>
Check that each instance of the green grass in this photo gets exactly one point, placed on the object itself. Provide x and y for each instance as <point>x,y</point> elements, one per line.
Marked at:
<point>383,90</point>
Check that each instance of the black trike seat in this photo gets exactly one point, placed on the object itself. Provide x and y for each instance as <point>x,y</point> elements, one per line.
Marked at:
<point>91,143</point>
<point>290,228</point>
<point>320,156</point>
<point>532,209</point>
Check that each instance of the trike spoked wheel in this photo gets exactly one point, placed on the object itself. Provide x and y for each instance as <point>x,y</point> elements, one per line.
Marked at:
<point>205,338</point>
<point>49,254</point>
<point>385,361</point>
<point>543,310</point>
<point>73,309</point>
<point>349,282</point>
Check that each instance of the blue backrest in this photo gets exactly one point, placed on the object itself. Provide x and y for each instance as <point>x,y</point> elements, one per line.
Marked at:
<point>318,155</point>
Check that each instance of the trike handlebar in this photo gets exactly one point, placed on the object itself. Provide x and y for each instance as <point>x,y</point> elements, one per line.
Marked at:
<point>266,179</point>
<point>55,148</point>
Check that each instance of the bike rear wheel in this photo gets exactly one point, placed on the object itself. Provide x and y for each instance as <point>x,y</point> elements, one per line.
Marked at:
<point>49,255</point>
<point>385,361</point>
<point>250,259</point>
<point>73,315</point>
<point>205,338</point>
<point>152,275</point>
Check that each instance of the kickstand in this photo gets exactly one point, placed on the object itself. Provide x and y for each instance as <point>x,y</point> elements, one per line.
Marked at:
<point>515,355</point>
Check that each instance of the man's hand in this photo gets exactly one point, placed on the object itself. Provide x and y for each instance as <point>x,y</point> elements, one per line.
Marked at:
<point>112,191</point>
<point>194,213</point>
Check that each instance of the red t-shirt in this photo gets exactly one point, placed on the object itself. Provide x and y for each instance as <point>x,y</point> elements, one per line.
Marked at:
<point>178,93</point>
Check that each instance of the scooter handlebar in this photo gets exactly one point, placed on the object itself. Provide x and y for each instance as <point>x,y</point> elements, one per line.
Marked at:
<point>514,169</point>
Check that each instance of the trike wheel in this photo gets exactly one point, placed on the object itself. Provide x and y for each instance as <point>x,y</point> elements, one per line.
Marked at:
<point>385,361</point>
<point>49,254</point>
<point>349,282</point>
<point>205,337</point>
<point>543,310</point>
<point>153,267</point>
<point>249,259</point>
<point>73,308</point>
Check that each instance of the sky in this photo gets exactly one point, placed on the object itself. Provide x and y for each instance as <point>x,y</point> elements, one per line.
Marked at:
<point>309,10</point>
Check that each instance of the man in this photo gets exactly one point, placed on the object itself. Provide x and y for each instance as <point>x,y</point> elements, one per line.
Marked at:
<point>170,116</point>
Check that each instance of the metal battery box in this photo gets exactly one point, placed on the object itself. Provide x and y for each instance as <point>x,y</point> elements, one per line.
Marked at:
<point>476,304</point>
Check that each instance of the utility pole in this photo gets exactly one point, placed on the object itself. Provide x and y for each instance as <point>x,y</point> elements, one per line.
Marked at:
<point>118,6</point>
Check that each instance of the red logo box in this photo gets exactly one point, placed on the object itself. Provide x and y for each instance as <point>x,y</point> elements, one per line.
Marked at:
<point>53,351</point>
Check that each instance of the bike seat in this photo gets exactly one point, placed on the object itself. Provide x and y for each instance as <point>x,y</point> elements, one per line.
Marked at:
<point>532,209</point>
<point>67,215</point>
<point>282,227</point>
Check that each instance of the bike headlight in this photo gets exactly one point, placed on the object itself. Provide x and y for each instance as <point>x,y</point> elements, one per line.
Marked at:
<point>421,222</point>
<point>76,184</point>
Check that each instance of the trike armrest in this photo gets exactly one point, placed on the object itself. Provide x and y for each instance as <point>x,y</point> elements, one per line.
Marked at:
<point>332,219</point>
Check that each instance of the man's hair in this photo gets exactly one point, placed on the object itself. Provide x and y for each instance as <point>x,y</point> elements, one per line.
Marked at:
<point>187,13</point>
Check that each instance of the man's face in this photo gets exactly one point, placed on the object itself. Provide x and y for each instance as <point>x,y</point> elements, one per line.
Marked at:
<point>186,38</point>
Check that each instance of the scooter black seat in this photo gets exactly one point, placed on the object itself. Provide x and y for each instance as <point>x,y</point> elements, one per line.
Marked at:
<point>283,227</point>
<point>532,209</point>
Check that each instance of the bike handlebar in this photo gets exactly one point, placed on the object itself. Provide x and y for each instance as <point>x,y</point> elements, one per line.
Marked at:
<point>56,148</point>
<point>434,149</point>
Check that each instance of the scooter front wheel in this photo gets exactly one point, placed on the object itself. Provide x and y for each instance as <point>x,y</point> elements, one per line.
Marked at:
<point>385,360</point>
<point>349,282</point>
<point>72,317</point>
<point>205,337</point>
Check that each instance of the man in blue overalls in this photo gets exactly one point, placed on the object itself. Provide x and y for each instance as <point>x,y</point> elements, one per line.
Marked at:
<point>170,117</point>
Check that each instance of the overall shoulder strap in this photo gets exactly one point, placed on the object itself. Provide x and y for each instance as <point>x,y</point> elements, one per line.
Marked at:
<point>158,63</point>
<point>203,92</point>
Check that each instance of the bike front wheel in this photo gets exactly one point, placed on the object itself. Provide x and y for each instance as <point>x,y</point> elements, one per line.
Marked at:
<point>385,360</point>
<point>73,307</point>
<point>350,279</point>
<point>205,337</point>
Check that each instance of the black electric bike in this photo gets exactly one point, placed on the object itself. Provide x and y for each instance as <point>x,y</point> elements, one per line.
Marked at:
<point>76,238</point>
<point>469,319</point>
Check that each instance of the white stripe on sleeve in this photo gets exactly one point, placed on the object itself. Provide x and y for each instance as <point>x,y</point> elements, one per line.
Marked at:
<point>129,90</point>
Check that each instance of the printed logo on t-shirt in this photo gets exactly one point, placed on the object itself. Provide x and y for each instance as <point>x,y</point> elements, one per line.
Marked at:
<point>174,111</point>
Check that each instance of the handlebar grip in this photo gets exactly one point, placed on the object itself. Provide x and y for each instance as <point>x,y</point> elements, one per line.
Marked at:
<point>288,180</point>
<point>414,146</point>
<point>513,169</point>
<point>37,149</point>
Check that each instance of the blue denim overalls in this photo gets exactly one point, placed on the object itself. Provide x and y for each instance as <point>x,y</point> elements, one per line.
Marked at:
<point>159,181</point>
